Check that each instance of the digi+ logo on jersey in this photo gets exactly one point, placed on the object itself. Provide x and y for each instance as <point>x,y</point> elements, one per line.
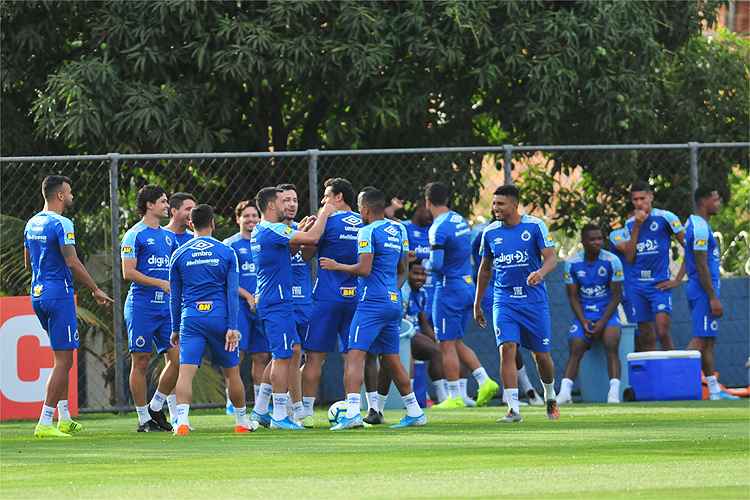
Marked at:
<point>647,246</point>
<point>515,258</point>
<point>594,291</point>
<point>248,267</point>
<point>159,261</point>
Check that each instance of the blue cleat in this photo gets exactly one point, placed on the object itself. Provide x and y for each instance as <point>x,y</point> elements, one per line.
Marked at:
<point>286,424</point>
<point>230,408</point>
<point>727,396</point>
<point>264,420</point>
<point>348,423</point>
<point>408,421</point>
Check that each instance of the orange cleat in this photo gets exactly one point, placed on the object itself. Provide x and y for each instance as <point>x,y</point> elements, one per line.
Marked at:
<point>241,429</point>
<point>182,430</point>
<point>553,412</point>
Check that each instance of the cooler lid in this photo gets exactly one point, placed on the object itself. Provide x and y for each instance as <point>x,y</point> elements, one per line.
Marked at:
<point>635,356</point>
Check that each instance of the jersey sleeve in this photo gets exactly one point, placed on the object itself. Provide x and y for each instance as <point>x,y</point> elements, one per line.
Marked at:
<point>128,248</point>
<point>568,274</point>
<point>485,250</point>
<point>281,233</point>
<point>543,238</point>
<point>700,236</point>
<point>175,295</point>
<point>437,237</point>
<point>404,240</point>
<point>619,236</point>
<point>233,284</point>
<point>65,232</point>
<point>673,221</point>
<point>364,240</point>
<point>617,272</point>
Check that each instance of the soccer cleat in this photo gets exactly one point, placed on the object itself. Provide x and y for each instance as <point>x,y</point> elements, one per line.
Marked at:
<point>486,392</point>
<point>450,404</point>
<point>408,421</point>
<point>373,417</point>
<point>251,426</point>
<point>160,419</point>
<point>470,403</point>
<point>264,420</point>
<point>564,399</point>
<point>613,399</point>
<point>553,413</point>
<point>69,426</point>
<point>182,430</point>
<point>149,426</point>
<point>534,398</point>
<point>230,408</point>
<point>349,423</point>
<point>308,422</point>
<point>510,418</point>
<point>286,424</point>
<point>49,431</point>
<point>727,396</point>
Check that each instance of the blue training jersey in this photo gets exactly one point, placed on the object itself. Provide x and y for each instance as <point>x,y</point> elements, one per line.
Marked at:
<point>203,278</point>
<point>699,237</point>
<point>181,239</point>
<point>270,246</point>
<point>651,262</point>
<point>301,277</point>
<point>450,245</point>
<point>338,242</point>
<point>593,278</point>
<point>516,252</point>
<point>413,302</point>
<point>242,247</point>
<point>152,248</point>
<point>476,246</point>
<point>389,243</point>
<point>44,236</point>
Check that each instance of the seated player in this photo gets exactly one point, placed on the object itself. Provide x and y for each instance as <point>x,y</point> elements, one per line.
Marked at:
<point>594,282</point>
<point>204,278</point>
<point>383,249</point>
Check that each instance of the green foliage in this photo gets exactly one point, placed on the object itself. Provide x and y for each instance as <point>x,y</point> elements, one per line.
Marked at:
<point>733,225</point>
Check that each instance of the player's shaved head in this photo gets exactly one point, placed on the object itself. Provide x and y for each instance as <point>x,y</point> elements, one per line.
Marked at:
<point>437,194</point>
<point>373,199</point>
<point>589,228</point>
<point>202,216</point>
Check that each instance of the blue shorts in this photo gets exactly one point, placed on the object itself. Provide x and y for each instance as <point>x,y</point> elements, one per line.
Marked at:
<point>705,324</point>
<point>525,324</point>
<point>146,328</point>
<point>576,330</point>
<point>197,332</point>
<point>302,315</point>
<point>281,329</point>
<point>451,310</point>
<point>253,338</point>
<point>376,327</point>
<point>647,301</point>
<point>331,325</point>
<point>58,318</point>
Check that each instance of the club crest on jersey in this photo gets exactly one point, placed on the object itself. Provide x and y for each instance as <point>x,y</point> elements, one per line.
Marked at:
<point>714,325</point>
<point>201,245</point>
<point>573,328</point>
<point>38,290</point>
<point>204,306</point>
<point>168,240</point>
<point>352,220</point>
<point>526,235</point>
<point>392,230</point>
<point>602,271</point>
<point>654,226</point>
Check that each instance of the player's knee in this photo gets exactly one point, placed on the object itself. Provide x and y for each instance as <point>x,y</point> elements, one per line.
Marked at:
<point>140,363</point>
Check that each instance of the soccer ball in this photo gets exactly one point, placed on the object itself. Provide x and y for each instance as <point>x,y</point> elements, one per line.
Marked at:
<point>336,411</point>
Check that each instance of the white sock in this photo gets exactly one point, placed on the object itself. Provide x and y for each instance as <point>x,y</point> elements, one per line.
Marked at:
<point>382,398</point>
<point>614,387</point>
<point>523,381</point>
<point>240,416</point>
<point>566,387</point>
<point>143,415</point>
<point>372,401</point>
<point>309,404</point>
<point>182,414</point>
<point>299,410</point>
<point>549,390</point>
<point>480,375</point>
<point>63,411</point>
<point>157,402</point>
<point>172,405</point>
<point>440,392</point>
<point>256,390</point>
<point>261,402</point>
<point>353,402</point>
<point>226,395</point>
<point>279,406</point>
<point>462,383</point>
<point>412,407</point>
<point>453,389</point>
<point>48,412</point>
<point>513,400</point>
<point>713,384</point>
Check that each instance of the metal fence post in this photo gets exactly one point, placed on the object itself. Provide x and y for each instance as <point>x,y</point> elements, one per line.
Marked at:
<point>507,163</point>
<point>312,178</point>
<point>694,177</point>
<point>114,198</point>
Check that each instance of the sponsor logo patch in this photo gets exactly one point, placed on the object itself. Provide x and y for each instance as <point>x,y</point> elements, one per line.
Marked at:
<point>204,306</point>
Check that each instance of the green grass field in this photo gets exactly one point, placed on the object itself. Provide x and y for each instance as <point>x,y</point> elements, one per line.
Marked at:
<point>681,450</point>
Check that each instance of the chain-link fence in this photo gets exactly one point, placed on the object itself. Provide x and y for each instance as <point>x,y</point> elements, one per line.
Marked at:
<point>565,184</point>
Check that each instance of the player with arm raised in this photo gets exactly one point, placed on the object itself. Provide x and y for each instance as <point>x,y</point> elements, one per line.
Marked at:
<point>49,250</point>
<point>180,205</point>
<point>521,252</point>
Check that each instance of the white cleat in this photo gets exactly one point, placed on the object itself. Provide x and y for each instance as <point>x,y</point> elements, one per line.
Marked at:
<point>613,399</point>
<point>469,402</point>
<point>534,398</point>
<point>564,399</point>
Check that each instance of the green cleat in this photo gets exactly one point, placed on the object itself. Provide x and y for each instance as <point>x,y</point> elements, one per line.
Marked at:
<point>48,431</point>
<point>308,422</point>
<point>486,392</point>
<point>69,426</point>
<point>451,404</point>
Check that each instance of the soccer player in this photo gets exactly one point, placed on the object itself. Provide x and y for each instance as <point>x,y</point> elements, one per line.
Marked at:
<point>204,279</point>
<point>647,248</point>
<point>521,252</point>
<point>145,251</point>
<point>253,339</point>
<point>180,206</point>
<point>594,282</point>
<point>702,259</point>
<point>383,250</point>
<point>618,238</point>
<point>272,243</point>
<point>450,259</point>
<point>49,250</point>
<point>334,293</point>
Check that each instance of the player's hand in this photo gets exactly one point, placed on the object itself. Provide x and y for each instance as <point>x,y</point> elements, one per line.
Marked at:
<point>328,264</point>
<point>535,278</point>
<point>479,315</point>
<point>716,308</point>
<point>232,340</point>
<point>411,256</point>
<point>397,203</point>
<point>164,285</point>
<point>640,216</point>
<point>327,209</point>
<point>668,284</point>
<point>101,298</point>
<point>251,301</point>
<point>174,339</point>
<point>598,327</point>
<point>588,328</point>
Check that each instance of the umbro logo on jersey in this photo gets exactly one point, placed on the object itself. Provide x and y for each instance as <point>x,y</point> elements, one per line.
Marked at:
<point>150,241</point>
<point>168,240</point>
<point>352,220</point>
<point>201,245</point>
<point>392,230</point>
<point>497,241</point>
<point>243,251</point>
<point>581,273</point>
<point>525,236</point>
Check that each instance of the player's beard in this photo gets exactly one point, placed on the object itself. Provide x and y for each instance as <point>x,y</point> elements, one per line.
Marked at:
<point>68,204</point>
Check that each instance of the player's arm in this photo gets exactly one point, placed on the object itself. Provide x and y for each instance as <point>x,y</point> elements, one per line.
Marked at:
<point>362,268</point>
<point>232,337</point>
<point>308,252</point>
<point>82,275</point>
<point>615,289</point>
<point>26,260</point>
<point>425,326</point>
<point>484,274</point>
<point>575,305</point>
<point>130,273</point>
<point>704,277</point>
<point>550,261</point>
<point>629,246</point>
<point>312,235</point>
<point>402,269</point>
<point>247,297</point>
<point>175,300</point>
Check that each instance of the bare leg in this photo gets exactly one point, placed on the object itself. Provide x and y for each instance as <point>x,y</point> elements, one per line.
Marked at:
<point>611,340</point>
<point>663,325</point>
<point>578,348</point>
<point>138,368</point>
<point>168,376</point>
<point>57,383</point>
